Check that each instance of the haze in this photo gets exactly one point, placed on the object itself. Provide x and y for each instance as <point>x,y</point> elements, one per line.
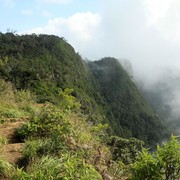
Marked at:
<point>146,32</point>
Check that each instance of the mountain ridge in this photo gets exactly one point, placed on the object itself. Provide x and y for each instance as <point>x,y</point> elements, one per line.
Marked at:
<point>46,63</point>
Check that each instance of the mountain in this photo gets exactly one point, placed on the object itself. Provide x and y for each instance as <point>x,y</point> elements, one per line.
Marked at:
<point>130,114</point>
<point>47,64</point>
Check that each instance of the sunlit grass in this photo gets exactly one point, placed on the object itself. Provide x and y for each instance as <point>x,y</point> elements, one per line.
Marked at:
<point>6,169</point>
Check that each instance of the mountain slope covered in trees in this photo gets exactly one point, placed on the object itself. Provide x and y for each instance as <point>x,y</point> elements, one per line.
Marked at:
<point>131,116</point>
<point>47,64</point>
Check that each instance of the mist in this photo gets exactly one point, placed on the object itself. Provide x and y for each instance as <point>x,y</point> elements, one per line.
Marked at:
<point>146,32</point>
<point>163,94</point>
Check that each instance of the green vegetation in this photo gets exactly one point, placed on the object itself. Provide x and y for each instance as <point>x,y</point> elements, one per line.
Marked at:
<point>3,140</point>
<point>46,65</point>
<point>60,143</point>
<point>15,104</point>
<point>76,115</point>
<point>6,169</point>
<point>128,112</point>
<point>164,164</point>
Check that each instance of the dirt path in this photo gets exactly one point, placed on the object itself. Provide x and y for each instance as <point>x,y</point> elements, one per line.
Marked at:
<point>12,151</point>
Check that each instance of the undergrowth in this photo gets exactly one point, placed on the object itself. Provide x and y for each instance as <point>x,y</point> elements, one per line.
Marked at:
<point>62,143</point>
<point>62,137</point>
<point>15,104</point>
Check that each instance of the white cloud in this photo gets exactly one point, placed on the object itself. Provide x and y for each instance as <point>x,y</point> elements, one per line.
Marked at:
<point>79,29</point>
<point>54,1</point>
<point>27,12</point>
<point>164,16</point>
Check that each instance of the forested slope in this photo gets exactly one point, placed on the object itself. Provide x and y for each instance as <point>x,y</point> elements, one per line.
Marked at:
<point>47,64</point>
<point>130,114</point>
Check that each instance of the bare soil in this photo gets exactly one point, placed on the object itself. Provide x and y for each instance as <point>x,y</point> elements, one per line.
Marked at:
<point>12,151</point>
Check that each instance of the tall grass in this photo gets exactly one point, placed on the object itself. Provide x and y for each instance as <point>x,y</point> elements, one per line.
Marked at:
<point>13,103</point>
<point>3,140</point>
<point>64,167</point>
<point>6,169</point>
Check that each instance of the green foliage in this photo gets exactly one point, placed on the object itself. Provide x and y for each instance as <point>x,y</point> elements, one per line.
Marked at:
<point>13,103</point>
<point>48,65</point>
<point>124,150</point>
<point>6,95</point>
<point>46,123</point>
<point>169,158</point>
<point>163,164</point>
<point>23,97</point>
<point>9,113</point>
<point>91,101</point>
<point>66,167</point>
<point>6,169</point>
<point>44,146</point>
<point>146,167</point>
<point>128,113</point>
<point>67,101</point>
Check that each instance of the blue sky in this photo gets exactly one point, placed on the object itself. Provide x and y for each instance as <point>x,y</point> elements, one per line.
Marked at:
<point>21,15</point>
<point>147,32</point>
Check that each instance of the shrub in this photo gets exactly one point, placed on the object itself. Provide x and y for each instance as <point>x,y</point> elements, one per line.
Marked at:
<point>162,164</point>
<point>49,122</point>
<point>124,150</point>
<point>146,167</point>
<point>169,158</point>
<point>10,113</point>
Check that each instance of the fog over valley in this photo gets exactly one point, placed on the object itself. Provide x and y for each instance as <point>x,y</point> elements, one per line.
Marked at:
<point>146,32</point>
<point>90,89</point>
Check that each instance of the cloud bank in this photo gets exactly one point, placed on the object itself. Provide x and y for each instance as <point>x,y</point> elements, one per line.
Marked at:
<point>147,32</point>
<point>79,29</point>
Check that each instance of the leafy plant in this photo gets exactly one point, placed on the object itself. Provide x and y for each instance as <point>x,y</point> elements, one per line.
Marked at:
<point>46,123</point>
<point>146,167</point>
<point>10,113</point>
<point>124,150</point>
<point>162,164</point>
<point>169,158</point>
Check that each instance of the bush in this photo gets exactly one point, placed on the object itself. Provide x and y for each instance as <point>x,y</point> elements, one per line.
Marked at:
<point>163,164</point>
<point>146,167</point>
<point>124,150</point>
<point>10,113</point>
<point>169,158</point>
<point>49,122</point>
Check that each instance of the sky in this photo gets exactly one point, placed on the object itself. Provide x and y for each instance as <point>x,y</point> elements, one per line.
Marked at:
<point>146,32</point>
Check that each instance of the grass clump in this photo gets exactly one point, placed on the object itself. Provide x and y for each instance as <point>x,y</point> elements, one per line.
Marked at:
<point>66,167</point>
<point>3,141</point>
<point>14,103</point>
<point>6,169</point>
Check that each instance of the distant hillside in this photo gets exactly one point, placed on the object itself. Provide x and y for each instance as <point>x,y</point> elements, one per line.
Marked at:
<point>128,112</point>
<point>46,63</point>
